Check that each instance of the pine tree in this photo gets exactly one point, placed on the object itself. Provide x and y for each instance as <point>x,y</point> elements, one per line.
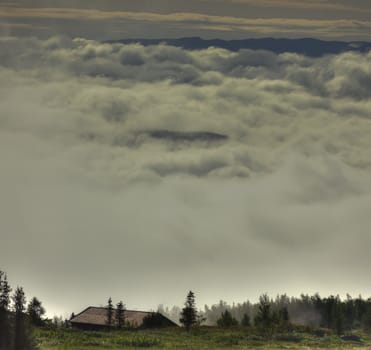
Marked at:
<point>35,310</point>
<point>120,315</point>
<point>189,312</point>
<point>227,320</point>
<point>284,318</point>
<point>263,319</point>
<point>366,321</point>
<point>5,291</point>
<point>109,313</point>
<point>245,322</point>
<point>5,329</point>
<point>339,323</point>
<point>284,315</point>
<point>22,339</point>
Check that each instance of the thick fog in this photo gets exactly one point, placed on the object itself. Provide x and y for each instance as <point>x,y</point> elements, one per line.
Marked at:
<point>142,172</point>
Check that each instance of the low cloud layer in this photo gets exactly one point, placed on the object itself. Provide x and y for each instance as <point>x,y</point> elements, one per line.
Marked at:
<point>142,172</point>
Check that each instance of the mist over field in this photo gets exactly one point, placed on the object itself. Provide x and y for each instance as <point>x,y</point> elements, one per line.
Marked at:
<point>143,172</point>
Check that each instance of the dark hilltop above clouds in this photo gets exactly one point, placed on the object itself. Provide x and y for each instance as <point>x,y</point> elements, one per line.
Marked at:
<point>187,136</point>
<point>306,46</point>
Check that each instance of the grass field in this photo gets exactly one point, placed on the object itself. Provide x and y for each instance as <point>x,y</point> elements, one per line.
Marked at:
<point>203,338</point>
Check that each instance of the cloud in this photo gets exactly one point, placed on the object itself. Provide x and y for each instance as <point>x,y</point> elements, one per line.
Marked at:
<point>290,4</point>
<point>110,167</point>
<point>340,28</point>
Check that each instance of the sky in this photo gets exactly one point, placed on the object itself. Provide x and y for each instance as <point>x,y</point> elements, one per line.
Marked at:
<point>143,172</point>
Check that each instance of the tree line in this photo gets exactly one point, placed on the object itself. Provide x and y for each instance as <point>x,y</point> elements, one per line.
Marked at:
<point>266,319</point>
<point>334,313</point>
<point>17,317</point>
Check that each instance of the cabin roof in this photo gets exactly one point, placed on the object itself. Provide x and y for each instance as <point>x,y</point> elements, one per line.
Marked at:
<point>97,316</point>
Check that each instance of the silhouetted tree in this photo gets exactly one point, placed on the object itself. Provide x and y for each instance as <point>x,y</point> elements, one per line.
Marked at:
<point>349,312</point>
<point>360,306</point>
<point>246,322</point>
<point>264,320</point>
<point>5,291</point>
<point>109,313</point>
<point>339,321</point>
<point>188,316</point>
<point>120,315</point>
<point>227,320</point>
<point>329,307</point>
<point>22,337</point>
<point>283,318</point>
<point>264,315</point>
<point>284,314</point>
<point>36,311</point>
<point>5,329</point>
<point>366,320</point>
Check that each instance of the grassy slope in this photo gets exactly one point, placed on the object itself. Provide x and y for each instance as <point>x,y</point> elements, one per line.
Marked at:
<point>171,339</point>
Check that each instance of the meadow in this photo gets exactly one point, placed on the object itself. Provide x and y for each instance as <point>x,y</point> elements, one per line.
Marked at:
<point>198,339</point>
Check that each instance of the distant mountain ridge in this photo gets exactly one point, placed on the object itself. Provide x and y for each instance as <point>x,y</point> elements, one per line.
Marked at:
<point>306,46</point>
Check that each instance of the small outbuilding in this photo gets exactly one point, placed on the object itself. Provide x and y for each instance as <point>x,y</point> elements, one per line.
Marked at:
<point>95,319</point>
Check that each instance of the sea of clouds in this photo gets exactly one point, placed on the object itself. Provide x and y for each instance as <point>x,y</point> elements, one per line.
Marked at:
<point>245,169</point>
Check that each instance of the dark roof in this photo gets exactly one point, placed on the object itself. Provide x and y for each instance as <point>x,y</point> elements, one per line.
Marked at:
<point>97,316</point>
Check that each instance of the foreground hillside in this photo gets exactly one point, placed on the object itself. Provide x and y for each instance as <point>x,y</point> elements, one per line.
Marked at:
<point>204,338</point>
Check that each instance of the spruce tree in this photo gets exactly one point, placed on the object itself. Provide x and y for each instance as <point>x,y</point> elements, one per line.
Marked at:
<point>109,313</point>
<point>246,321</point>
<point>5,291</point>
<point>35,310</point>
<point>264,316</point>
<point>5,329</point>
<point>284,318</point>
<point>227,320</point>
<point>189,312</point>
<point>366,321</point>
<point>22,339</point>
<point>120,315</point>
<point>263,319</point>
